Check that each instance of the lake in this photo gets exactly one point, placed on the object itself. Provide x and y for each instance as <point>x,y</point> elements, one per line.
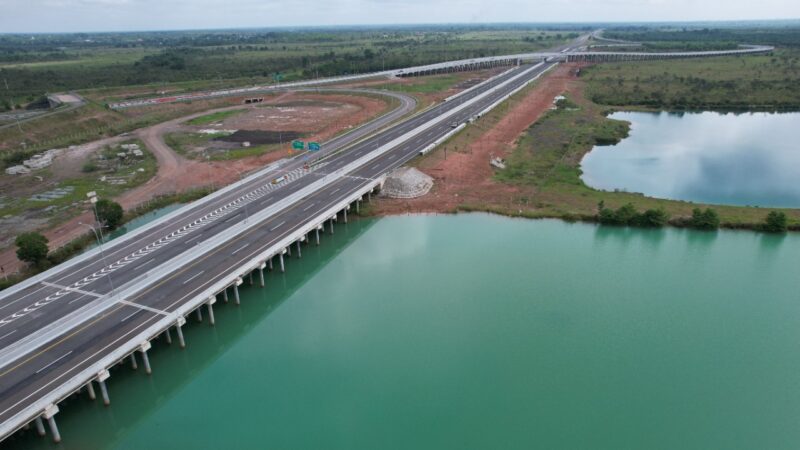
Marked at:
<point>733,159</point>
<point>479,332</point>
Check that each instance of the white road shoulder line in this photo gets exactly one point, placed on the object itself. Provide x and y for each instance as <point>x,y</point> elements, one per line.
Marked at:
<point>194,276</point>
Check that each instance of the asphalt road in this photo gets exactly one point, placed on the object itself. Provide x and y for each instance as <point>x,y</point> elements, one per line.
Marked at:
<point>32,309</point>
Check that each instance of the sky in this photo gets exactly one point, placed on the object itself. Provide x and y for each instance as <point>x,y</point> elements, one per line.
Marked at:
<point>21,16</point>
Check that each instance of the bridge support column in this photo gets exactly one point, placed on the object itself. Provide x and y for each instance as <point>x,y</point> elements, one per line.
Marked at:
<point>90,389</point>
<point>299,252</point>
<point>101,380</point>
<point>269,262</point>
<point>289,250</point>
<point>345,213</point>
<point>251,278</point>
<point>134,366</point>
<point>317,232</point>
<point>358,206</point>
<point>261,275</point>
<point>40,426</point>
<point>236,300</point>
<point>331,225</point>
<point>225,295</point>
<point>168,335</point>
<point>199,313</point>
<point>283,268</point>
<point>49,414</point>
<point>146,359</point>
<point>369,197</point>
<point>181,321</point>
<point>210,305</point>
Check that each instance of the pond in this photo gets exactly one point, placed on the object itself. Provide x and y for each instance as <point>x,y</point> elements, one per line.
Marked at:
<point>733,159</point>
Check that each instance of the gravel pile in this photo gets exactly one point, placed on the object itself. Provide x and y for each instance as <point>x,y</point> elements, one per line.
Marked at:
<point>406,182</point>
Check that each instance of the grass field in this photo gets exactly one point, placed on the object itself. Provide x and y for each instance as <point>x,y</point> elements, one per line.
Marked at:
<point>546,166</point>
<point>768,82</point>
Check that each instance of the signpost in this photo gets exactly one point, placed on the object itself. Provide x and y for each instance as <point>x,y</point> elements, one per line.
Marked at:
<point>298,145</point>
<point>314,146</point>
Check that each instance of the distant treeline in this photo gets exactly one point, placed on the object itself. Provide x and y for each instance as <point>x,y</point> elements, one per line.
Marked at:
<point>777,36</point>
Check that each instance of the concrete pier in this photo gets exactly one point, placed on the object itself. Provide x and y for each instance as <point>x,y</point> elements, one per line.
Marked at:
<point>40,426</point>
<point>251,278</point>
<point>134,366</point>
<point>261,274</point>
<point>283,268</point>
<point>168,335</point>
<point>199,313</point>
<point>317,232</point>
<point>236,300</point>
<point>181,322</point>
<point>269,262</point>
<point>331,225</point>
<point>90,389</point>
<point>101,381</point>
<point>49,414</point>
<point>225,295</point>
<point>299,252</point>
<point>145,359</point>
<point>210,304</point>
<point>345,213</point>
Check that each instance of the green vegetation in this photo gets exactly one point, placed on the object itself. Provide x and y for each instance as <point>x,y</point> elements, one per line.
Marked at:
<point>777,34</point>
<point>109,213</point>
<point>704,220</point>
<point>628,215</point>
<point>776,222</point>
<point>61,62</point>
<point>31,248</point>
<point>545,167</point>
<point>215,117</point>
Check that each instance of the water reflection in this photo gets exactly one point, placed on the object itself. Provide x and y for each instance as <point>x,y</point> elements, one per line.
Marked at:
<point>738,159</point>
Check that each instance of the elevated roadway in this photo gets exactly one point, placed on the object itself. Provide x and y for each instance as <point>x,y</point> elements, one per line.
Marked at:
<point>62,330</point>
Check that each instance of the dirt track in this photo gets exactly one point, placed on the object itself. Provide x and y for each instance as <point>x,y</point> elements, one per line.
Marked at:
<point>178,174</point>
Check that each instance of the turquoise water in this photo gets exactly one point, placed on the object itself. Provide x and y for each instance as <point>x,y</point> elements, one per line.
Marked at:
<point>736,159</point>
<point>476,332</point>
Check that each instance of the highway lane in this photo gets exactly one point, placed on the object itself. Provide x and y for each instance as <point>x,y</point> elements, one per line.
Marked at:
<point>18,302</point>
<point>35,306</point>
<point>84,346</point>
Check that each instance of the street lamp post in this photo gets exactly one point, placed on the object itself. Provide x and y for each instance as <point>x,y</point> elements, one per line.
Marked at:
<point>102,253</point>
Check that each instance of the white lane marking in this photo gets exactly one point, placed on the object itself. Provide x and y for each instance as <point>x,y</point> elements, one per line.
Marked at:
<point>334,191</point>
<point>190,240</point>
<point>392,156</point>
<point>124,336</point>
<point>240,248</point>
<point>271,229</point>
<point>144,264</point>
<point>129,316</point>
<point>77,299</point>
<point>194,276</point>
<point>54,361</point>
<point>309,207</point>
<point>58,286</point>
<point>7,335</point>
<point>376,166</point>
<point>146,308</point>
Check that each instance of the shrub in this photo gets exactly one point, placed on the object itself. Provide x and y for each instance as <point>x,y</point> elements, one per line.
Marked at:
<point>32,248</point>
<point>776,222</point>
<point>652,218</point>
<point>628,215</point>
<point>704,220</point>
<point>109,213</point>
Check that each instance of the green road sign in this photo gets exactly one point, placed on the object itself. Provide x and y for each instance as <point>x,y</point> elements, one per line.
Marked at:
<point>314,146</point>
<point>298,145</point>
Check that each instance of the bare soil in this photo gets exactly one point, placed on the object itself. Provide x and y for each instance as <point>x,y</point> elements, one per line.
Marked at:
<point>465,176</point>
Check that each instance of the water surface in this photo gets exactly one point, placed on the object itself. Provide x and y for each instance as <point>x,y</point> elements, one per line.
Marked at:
<point>481,332</point>
<point>735,159</point>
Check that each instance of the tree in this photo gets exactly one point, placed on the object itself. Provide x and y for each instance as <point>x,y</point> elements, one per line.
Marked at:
<point>652,218</point>
<point>776,222</point>
<point>31,247</point>
<point>705,220</point>
<point>109,213</point>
